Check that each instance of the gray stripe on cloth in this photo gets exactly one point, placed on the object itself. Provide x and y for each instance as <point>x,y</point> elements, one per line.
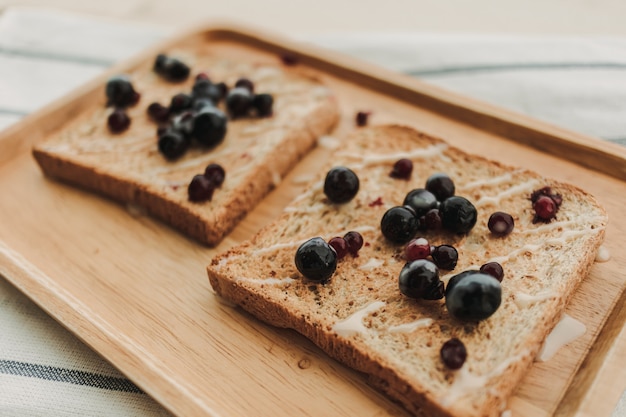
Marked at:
<point>57,57</point>
<point>534,66</point>
<point>71,376</point>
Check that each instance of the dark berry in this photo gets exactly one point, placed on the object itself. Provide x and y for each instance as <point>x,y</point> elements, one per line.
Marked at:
<point>239,102</point>
<point>209,126</point>
<point>453,354</point>
<point>500,223</point>
<point>120,92</point>
<point>173,144</point>
<point>205,89</point>
<point>158,112</point>
<point>436,292</point>
<point>545,208</point>
<point>420,200</point>
<point>223,89</point>
<point>202,76</point>
<point>341,185</point>
<point>402,169</point>
<point>180,102</point>
<point>458,215</point>
<point>289,59</point>
<point>340,246</point>
<point>354,242</point>
<point>417,249</point>
<point>445,257</point>
<point>362,118</point>
<point>118,121</point>
<point>201,103</point>
<point>200,189</point>
<point>418,277</point>
<point>245,83</point>
<point>316,260</point>
<point>183,123</point>
<point>263,104</point>
<point>473,295</point>
<point>494,269</point>
<point>216,174</point>
<point>399,224</point>
<point>171,69</point>
<point>441,185</point>
<point>161,130</point>
<point>432,219</point>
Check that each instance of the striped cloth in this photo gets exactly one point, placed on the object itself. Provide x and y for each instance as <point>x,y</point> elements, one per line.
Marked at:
<point>579,83</point>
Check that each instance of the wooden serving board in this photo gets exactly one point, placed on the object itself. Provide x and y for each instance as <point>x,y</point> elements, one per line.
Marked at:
<point>137,292</point>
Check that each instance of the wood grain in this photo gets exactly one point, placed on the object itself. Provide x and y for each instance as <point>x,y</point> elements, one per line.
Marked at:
<point>137,292</point>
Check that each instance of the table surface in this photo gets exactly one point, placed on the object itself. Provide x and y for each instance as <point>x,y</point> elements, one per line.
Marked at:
<point>560,17</point>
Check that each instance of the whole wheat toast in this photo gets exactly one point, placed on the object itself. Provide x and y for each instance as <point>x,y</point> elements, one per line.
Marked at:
<point>360,317</point>
<point>256,152</point>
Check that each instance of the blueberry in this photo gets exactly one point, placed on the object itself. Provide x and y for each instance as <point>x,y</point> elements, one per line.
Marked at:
<point>316,260</point>
<point>453,353</point>
<point>399,224</point>
<point>354,242</point>
<point>183,124</point>
<point>180,102</point>
<point>200,189</point>
<point>209,126</point>
<point>173,144</point>
<point>263,104</point>
<point>441,185</point>
<point>171,69</point>
<point>120,92</point>
<point>118,121</point>
<point>473,295</point>
<point>500,223</point>
<point>239,102</point>
<point>159,63</point>
<point>445,256</point>
<point>418,278</point>
<point>341,185</point>
<point>200,103</point>
<point>215,173</point>
<point>458,215</point>
<point>494,269</point>
<point>205,89</point>
<point>402,169</point>
<point>158,112</point>
<point>245,83</point>
<point>421,201</point>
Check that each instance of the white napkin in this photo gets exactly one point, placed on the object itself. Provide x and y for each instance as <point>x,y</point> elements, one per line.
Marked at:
<point>579,83</point>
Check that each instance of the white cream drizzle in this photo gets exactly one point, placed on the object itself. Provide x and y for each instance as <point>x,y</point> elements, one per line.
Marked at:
<point>372,263</point>
<point>523,300</point>
<point>313,208</point>
<point>430,151</point>
<point>267,280</point>
<point>328,142</point>
<point>411,327</point>
<point>526,186</point>
<point>603,254</point>
<point>465,381</point>
<point>567,330</point>
<point>353,324</point>
<point>489,181</point>
<point>302,179</point>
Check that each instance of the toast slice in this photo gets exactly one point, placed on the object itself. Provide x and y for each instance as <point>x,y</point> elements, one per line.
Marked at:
<point>256,152</point>
<point>396,340</point>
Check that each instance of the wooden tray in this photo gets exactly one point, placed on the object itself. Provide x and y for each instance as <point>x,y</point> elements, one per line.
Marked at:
<point>136,291</point>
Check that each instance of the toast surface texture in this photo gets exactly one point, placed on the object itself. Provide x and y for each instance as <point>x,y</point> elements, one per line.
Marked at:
<point>256,152</point>
<point>360,317</point>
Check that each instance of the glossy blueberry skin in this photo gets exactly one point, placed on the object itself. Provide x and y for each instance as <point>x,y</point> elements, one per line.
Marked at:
<point>420,200</point>
<point>173,144</point>
<point>239,102</point>
<point>316,260</point>
<point>472,295</point>
<point>205,89</point>
<point>441,185</point>
<point>418,278</point>
<point>171,69</point>
<point>209,126</point>
<point>458,214</point>
<point>341,185</point>
<point>445,257</point>
<point>119,91</point>
<point>399,224</point>
<point>263,103</point>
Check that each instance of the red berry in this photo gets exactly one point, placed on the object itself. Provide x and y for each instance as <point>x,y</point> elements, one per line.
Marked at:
<point>118,121</point>
<point>354,241</point>
<point>362,117</point>
<point>453,353</point>
<point>417,249</point>
<point>216,174</point>
<point>340,246</point>
<point>202,76</point>
<point>500,223</point>
<point>545,208</point>
<point>200,189</point>
<point>494,269</point>
<point>402,169</point>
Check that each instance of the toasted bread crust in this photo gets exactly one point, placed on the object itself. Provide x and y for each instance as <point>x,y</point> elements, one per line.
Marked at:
<point>259,275</point>
<point>268,147</point>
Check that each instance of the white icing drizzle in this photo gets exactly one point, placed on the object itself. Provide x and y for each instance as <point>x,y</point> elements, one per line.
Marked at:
<point>276,247</point>
<point>302,179</point>
<point>523,300</point>
<point>412,326</point>
<point>268,280</point>
<point>465,381</point>
<point>430,151</point>
<point>526,186</point>
<point>353,324</point>
<point>489,181</point>
<point>328,142</point>
<point>506,413</point>
<point>372,263</point>
<point>312,190</point>
<point>566,330</point>
<point>603,254</point>
<point>313,208</point>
